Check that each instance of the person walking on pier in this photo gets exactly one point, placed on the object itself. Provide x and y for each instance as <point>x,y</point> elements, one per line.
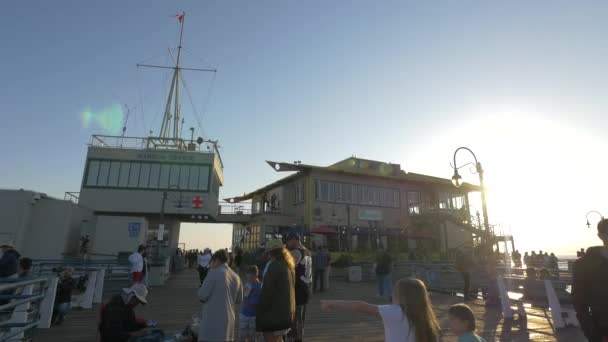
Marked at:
<point>277,307</point>
<point>320,264</point>
<point>384,268</point>
<point>63,296</point>
<point>410,317</point>
<point>589,294</point>
<point>220,293</point>
<point>303,261</point>
<point>251,298</point>
<point>203,264</point>
<point>464,264</point>
<point>137,264</point>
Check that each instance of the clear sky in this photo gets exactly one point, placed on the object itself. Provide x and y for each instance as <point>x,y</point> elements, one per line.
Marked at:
<point>521,83</point>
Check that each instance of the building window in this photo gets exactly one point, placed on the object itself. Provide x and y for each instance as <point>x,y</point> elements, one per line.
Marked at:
<point>154,176</point>
<point>356,194</point>
<point>174,176</point>
<point>148,175</point>
<point>183,176</point>
<point>144,175</point>
<point>203,177</point>
<point>193,181</point>
<point>134,175</point>
<point>299,193</point>
<point>444,200</point>
<point>457,201</point>
<point>123,180</point>
<point>92,173</point>
<point>104,170</point>
<point>413,202</point>
<point>114,173</point>
<point>324,191</point>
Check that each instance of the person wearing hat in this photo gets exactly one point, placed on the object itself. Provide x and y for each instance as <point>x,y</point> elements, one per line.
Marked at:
<point>9,260</point>
<point>303,283</point>
<point>277,306</point>
<point>589,294</point>
<point>118,322</point>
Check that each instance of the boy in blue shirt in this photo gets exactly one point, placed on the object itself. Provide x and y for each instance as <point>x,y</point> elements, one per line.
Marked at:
<point>251,298</point>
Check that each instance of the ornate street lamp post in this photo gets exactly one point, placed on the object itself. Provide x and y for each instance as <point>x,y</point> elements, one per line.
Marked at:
<point>457,181</point>
<point>593,212</point>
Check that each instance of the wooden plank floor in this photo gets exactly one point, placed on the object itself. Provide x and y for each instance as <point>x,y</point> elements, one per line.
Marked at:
<point>173,306</point>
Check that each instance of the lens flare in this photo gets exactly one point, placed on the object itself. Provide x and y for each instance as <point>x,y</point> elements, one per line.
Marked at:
<point>108,120</point>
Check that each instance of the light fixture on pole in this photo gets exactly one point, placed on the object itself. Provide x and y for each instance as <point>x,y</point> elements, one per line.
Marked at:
<point>593,212</point>
<point>457,181</point>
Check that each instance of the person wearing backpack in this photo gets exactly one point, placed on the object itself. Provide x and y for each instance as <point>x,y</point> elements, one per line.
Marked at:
<point>303,260</point>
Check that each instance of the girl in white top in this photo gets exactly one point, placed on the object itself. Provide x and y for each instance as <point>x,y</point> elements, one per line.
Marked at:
<point>409,319</point>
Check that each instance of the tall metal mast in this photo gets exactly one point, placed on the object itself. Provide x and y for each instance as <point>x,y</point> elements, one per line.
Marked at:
<point>173,96</point>
<point>179,55</point>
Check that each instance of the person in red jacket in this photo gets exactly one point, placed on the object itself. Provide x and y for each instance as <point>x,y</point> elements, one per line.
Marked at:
<point>589,293</point>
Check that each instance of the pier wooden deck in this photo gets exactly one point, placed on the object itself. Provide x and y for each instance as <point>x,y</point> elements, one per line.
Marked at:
<point>173,305</point>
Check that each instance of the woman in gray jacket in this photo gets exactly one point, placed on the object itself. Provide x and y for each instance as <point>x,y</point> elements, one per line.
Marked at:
<point>220,293</point>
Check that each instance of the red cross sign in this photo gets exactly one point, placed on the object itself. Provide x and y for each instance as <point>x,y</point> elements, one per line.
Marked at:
<point>197,202</point>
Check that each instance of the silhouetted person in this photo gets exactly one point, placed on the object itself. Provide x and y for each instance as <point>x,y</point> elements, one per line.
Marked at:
<point>464,265</point>
<point>589,291</point>
<point>8,261</point>
<point>580,253</point>
<point>25,267</point>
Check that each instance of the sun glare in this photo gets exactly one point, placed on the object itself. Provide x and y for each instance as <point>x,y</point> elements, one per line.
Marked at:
<point>541,176</point>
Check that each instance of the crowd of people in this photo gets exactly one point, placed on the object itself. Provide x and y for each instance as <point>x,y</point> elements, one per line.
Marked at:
<point>274,294</point>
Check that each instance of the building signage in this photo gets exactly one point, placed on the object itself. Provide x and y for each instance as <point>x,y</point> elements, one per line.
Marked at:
<point>197,202</point>
<point>370,215</point>
<point>165,157</point>
<point>134,229</point>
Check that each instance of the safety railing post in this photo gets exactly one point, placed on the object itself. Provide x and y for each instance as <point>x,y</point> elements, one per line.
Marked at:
<point>48,303</point>
<point>505,301</point>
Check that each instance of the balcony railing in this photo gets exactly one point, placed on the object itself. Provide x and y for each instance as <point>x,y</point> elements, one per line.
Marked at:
<point>71,196</point>
<point>226,208</point>
<point>246,208</point>
<point>156,143</point>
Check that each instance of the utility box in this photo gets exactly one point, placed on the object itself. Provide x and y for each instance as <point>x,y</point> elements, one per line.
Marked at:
<point>354,274</point>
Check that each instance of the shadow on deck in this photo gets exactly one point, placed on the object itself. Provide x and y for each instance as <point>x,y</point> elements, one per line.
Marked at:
<point>172,306</point>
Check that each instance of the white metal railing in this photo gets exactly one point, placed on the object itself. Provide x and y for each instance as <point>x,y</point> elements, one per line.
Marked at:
<point>549,293</point>
<point>140,143</point>
<point>243,208</point>
<point>22,306</point>
<point>71,196</point>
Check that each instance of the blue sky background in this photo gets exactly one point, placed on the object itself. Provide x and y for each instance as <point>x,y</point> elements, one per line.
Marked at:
<point>521,83</point>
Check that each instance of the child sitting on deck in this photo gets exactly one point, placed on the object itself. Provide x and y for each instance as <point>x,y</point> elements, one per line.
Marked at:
<point>462,323</point>
<point>409,319</point>
<point>251,297</point>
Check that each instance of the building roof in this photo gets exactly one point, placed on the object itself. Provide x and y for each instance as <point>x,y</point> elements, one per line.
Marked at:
<point>355,167</point>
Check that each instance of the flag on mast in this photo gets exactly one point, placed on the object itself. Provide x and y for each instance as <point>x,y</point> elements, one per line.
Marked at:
<point>180,17</point>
